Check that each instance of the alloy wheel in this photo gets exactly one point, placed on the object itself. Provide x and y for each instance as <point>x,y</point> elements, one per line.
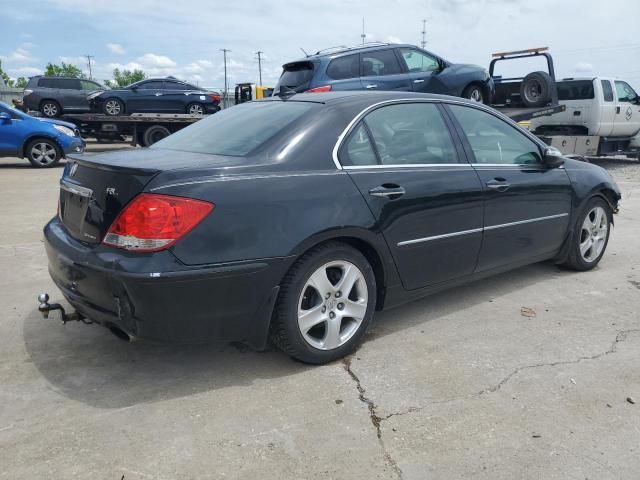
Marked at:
<point>112,107</point>
<point>196,109</point>
<point>43,153</point>
<point>593,234</point>
<point>476,95</point>
<point>50,109</point>
<point>332,305</point>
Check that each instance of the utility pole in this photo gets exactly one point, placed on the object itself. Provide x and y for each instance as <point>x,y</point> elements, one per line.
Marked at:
<point>226,94</point>
<point>363,35</point>
<point>89,57</point>
<point>424,33</point>
<point>259,53</point>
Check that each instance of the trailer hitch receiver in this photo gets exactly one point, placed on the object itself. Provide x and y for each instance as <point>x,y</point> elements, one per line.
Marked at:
<point>45,307</point>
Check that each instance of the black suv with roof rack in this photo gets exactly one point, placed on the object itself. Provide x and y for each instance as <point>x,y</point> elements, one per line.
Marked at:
<point>53,96</point>
<point>385,66</point>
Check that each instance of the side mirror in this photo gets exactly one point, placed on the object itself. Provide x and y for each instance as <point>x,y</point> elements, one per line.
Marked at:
<point>5,118</point>
<point>134,89</point>
<point>552,157</point>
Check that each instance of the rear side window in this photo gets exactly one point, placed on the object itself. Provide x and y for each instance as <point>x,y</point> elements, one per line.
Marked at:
<point>237,131</point>
<point>344,67</point>
<point>494,141</point>
<point>607,90</point>
<point>295,75</point>
<point>382,62</point>
<point>575,90</point>
<point>405,134</point>
<point>89,85</point>
<point>177,86</point>
<point>46,83</point>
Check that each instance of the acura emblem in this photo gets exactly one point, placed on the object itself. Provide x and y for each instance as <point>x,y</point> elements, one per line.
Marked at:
<point>74,168</point>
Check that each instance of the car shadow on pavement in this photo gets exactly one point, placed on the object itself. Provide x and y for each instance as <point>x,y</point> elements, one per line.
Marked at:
<point>90,365</point>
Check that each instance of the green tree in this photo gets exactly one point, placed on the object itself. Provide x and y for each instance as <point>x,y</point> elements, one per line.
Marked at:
<point>20,82</point>
<point>125,77</point>
<point>4,76</point>
<point>64,70</point>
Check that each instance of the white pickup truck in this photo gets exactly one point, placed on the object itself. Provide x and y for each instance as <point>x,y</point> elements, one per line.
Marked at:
<point>602,117</point>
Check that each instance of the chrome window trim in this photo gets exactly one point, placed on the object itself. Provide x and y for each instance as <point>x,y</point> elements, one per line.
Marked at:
<point>362,113</point>
<point>483,229</point>
<point>408,165</point>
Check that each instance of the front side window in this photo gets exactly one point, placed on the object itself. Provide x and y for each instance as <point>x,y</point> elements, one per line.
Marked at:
<point>607,90</point>
<point>625,92</point>
<point>404,134</point>
<point>344,67</point>
<point>69,84</point>
<point>89,85</point>
<point>382,62</point>
<point>494,141</point>
<point>419,62</point>
<point>151,86</point>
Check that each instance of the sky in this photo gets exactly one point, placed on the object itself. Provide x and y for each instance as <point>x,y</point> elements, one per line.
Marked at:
<point>183,38</point>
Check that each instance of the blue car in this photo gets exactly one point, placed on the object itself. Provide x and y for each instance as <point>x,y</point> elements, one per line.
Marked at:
<point>385,66</point>
<point>43,141</point>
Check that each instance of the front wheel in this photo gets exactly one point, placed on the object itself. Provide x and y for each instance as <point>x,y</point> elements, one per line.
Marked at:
<point>43,153</point>
<point>325,304</point>
<point>474,93</point>
<point>591,235</point>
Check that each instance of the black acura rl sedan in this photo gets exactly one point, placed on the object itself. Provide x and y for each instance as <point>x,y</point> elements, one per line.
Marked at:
<point>296,218</point>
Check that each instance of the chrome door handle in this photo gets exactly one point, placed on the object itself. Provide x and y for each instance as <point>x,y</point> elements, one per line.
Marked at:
<point>389,191</point>
<point>371,85</point>
<point>499,184</point>
<point>158,94</point>
<point>418,81</point>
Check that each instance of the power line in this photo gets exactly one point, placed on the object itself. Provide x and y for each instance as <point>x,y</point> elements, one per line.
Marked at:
<point>259,53</point>
<point>89,57</point>
<point>363,35</point>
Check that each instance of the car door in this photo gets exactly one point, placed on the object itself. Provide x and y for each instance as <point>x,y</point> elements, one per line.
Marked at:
<point>422,69</point>
<point>627,119</point>
<point>526,203</point>
<point>174,97</point>
<point>12,134</point>
<point>607,109</point>
<point>344,73</point>
<point>426,199</point>
<point>144,97</point>
<point>381,70</point>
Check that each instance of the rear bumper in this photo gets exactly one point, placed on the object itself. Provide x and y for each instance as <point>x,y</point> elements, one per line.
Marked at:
<point>154,297</point>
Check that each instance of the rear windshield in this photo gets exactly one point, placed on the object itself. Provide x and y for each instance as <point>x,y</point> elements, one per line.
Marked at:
<point>296,74</point>
<point>575,90</point>
<point>238,130</point>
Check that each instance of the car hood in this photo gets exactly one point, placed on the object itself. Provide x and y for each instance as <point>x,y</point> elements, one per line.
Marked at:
<point>57,122</point>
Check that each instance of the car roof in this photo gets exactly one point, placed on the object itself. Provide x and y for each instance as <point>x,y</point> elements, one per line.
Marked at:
<point>341,51</point>
<point>366,96</point>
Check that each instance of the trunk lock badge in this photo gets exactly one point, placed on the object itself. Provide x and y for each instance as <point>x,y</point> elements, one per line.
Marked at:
<point>73,170</point>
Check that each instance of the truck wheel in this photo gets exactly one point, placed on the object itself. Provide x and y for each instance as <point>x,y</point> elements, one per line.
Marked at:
<point>43,153</point>
<point>474,93</point>
<point>536,88</point>
<point>113,107</point>
<point>195,109</point>
<point>154,134</point>
<point>50,109</point>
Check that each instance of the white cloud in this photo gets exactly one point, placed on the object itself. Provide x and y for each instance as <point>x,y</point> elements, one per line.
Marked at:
<point>79,60</point>
<point>19,55</point>
<point>583,67</point>
<point>199,66</point>
<point>158,61</point>
<point>26,71</point>
<point>116,48</point>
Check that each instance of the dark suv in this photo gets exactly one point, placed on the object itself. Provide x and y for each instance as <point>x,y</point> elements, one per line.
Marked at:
<point>53,96</point>
<point>384,66</point>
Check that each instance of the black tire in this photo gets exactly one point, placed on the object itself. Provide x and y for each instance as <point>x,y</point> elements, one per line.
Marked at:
<point>154,134</point>
<point>475,92</point>
<point>50,109</point>
<point>49,156</point>
<point>198,109</point>
<point>113,107</point>
<point>576,259</point>
<point>536,89</point>
<point>285,332</point>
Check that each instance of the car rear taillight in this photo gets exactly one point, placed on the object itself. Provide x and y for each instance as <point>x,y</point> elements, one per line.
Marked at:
<point>155,222</point>
<point>325,88</point>
<point>215,97</point>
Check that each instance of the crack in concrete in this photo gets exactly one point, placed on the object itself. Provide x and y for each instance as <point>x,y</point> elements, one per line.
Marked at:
<point>373,416</point>
<point>376,420</point>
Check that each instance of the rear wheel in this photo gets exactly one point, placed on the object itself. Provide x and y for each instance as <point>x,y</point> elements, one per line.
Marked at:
<point>195,109</point>
<point>591,235</point>
<point>154,134</point>
<point>43,153</point>
<point>325,305</point>
<point>113,107</point>
<point>50,109</point>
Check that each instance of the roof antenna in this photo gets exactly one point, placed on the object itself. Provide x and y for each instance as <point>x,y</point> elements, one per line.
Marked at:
<point>305,53</point>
